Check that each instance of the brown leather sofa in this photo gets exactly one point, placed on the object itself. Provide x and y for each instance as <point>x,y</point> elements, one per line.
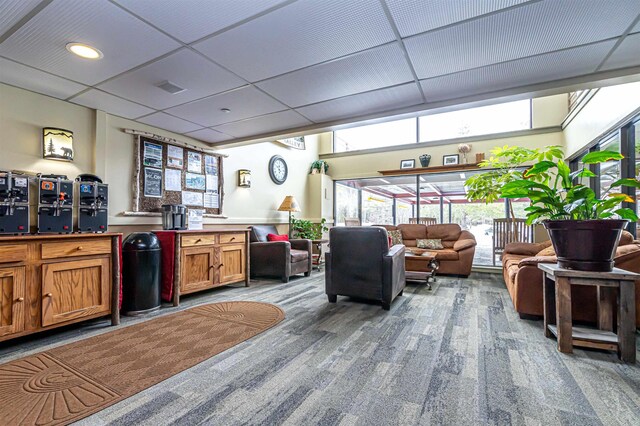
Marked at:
<point>280,259</point>
<point>455,258</point>
<point>361,265</point>
<point>524,279</point>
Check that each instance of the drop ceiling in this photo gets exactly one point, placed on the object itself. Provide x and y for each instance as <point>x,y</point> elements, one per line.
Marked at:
<point>293,66</point>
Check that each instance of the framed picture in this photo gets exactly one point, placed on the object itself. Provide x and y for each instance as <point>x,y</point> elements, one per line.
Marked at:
<point>448,160</point>
<point>407,164</point>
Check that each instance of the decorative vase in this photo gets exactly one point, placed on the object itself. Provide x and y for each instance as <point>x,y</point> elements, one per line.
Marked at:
<point>585,245</point>
<point>424,160</point>
<point>479,157</point>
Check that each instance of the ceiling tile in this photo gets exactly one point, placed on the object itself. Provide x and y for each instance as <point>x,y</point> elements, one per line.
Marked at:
<point>417,16</point>
<point>209,135</point>
<point>125,41</point>
<point>191,20</point>
<point>532,29</point>
<point>169,122</point>
<point>303,33</point>
<point>184,68</point>
<point>625,55</point>
<point>98,99</point>
<point>522,72</point>
<point>267,123</point>
<point>373,69</point>
<point>244,102</point>
<point>13,11</point>
<point>37,81</point>
<point>364,103</point>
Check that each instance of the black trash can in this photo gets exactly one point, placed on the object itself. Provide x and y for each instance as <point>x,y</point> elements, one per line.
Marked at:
<point>140,273</point>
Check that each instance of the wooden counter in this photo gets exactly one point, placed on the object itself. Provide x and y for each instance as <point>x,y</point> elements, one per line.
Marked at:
<point>47,281</point>
<point>199,260</point>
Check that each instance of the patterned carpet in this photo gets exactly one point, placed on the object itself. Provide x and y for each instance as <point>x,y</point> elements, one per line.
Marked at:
<point>456,355</point>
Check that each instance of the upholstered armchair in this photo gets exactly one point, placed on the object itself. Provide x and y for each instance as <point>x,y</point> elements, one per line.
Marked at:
<point>361,265</point>
<point>280,259</point>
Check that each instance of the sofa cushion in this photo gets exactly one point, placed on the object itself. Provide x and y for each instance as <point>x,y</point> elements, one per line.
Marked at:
<point>549,251</point>
<point>275,237</point>
<point>299,255</point>
<point>433,244</point>
<point>625,238</point>
<point>533,261</point>
<point>446,254</point>
<point>412,231</point>
<point>396,237</point>
<point>463,244</point>
<point>445,232</point>
<point>259,233</point>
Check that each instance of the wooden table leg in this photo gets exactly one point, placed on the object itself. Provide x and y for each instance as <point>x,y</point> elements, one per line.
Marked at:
<point>606,303</point>
<point>115,280</point>
<point>627,322</point>
<point>563,315</point>
<point>549,303</point>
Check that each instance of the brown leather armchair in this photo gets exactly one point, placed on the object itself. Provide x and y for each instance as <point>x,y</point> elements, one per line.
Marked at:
<point>280,259</point>
<point>361,265</point>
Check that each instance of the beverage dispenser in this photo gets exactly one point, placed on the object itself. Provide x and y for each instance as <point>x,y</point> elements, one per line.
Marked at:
<point>14,203</point>
<point>93,204</point>
<point>55,204</point>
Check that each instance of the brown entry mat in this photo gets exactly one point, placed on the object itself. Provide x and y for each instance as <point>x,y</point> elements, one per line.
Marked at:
<point>70,382</point>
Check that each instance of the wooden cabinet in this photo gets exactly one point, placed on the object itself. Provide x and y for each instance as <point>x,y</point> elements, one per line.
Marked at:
<point>47,281</point>
<point>203,260</point>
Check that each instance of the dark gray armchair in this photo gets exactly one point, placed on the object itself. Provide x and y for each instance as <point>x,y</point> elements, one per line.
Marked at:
<point>361,265</point>
<point>278,258</point>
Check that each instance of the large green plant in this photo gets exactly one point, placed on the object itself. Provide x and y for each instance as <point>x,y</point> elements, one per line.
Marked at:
<point>307,229</point>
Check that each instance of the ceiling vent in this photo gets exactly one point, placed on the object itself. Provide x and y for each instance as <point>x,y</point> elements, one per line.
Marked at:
<point>170,87</point>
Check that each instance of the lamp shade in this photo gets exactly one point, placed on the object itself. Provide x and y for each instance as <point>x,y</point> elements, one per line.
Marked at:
<point>290,204</point>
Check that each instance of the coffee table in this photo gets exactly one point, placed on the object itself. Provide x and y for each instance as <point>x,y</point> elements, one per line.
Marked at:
<point>430,261</point>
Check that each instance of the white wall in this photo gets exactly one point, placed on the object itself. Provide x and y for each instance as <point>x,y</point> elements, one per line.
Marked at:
<point>605,109</point>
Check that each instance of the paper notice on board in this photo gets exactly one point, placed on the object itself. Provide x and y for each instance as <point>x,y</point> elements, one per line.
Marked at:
<point>152,182</point>
<point>190,198</point>
<point>175,156</point>
<point>210,165</point>
<point>194,181</point>
<point>194,162</point>
<point>212,183</point>
<point>152,155</point>
<point>172,180</point>
<point>195,219</point>
<point>211,200</point>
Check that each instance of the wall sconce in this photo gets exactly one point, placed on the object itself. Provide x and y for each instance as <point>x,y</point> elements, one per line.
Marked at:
<point>57,144</point>
<point>244,178</point>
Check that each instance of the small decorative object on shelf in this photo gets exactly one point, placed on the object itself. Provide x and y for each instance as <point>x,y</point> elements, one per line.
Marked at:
<point>319,166</point>
<point>479,157</point>
<point>424,160</point>
<point>448,160</point>
<point>408,164</point>
<point>463,149</point>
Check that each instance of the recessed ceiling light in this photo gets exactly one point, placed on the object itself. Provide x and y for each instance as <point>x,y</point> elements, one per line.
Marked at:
<point>225,110</point>
<point>84,51</point>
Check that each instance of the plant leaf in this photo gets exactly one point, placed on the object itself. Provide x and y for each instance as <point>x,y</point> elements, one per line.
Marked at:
<point>626,214</point>
<point>582,173</point>
<point>539,167</point>
<point>601,157</point>
<point>634,183</point>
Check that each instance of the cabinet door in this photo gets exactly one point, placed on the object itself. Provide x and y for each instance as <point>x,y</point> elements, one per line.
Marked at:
<point>197,270</point>
<point>75,289</point>
<point>12,288</point>
<point>233,263</point>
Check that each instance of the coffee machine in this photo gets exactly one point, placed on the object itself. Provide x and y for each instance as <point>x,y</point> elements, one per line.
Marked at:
<point>55,204</point>
<point>93,204</point>
<point>174,217</point>
<point>14,203</point>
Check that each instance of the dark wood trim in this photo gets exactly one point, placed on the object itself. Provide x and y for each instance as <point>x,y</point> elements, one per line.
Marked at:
<point>429,170</point>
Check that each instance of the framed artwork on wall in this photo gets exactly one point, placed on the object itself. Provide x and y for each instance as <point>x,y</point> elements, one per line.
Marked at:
<point>448,160</point>
<point>407,164</point>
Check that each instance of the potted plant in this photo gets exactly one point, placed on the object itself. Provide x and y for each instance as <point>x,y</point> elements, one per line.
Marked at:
<point>307,229</point>
<point>319,166</point>
<point>583,228</point>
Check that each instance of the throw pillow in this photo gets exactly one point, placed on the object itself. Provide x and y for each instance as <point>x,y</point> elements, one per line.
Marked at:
<point>274,237</point>
<point>396,237</point>
<point>549,251</point>
<point>432,244</point>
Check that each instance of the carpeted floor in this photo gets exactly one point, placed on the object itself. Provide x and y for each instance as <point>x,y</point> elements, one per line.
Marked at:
<point>456,355</point>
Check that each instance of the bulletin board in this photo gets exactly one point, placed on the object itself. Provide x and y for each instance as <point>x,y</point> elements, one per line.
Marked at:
<point>169,173</point>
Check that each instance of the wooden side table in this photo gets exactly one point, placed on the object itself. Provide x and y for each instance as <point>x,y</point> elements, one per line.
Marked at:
<point>318,245</point>
<point>557,284</point>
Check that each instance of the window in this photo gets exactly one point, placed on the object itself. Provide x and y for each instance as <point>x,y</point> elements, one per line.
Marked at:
<point>609,171</point>
<point>392,133</point>
<point>485,120</point>
<point>346,203</point>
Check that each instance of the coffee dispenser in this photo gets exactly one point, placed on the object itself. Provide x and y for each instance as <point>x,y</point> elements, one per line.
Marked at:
<point>55,204</point>
<point>14,203</point>
<point>174,217</point>
<point>93,204</point>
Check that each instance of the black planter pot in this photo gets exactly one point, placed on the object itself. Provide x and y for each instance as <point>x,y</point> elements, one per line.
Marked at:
<point>585,245</point>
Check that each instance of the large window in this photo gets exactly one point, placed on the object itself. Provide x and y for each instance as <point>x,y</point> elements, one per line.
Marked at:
<point>485,120</point>
<point>609,171</point>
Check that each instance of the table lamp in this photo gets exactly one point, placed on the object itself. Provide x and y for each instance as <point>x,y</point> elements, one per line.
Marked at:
<point>290,204</point>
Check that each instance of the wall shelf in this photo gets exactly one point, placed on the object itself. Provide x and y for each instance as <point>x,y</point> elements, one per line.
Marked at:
<point>427,170</point>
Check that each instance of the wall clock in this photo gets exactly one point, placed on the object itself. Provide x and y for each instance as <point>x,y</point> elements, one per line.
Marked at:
<point>278,169</point>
